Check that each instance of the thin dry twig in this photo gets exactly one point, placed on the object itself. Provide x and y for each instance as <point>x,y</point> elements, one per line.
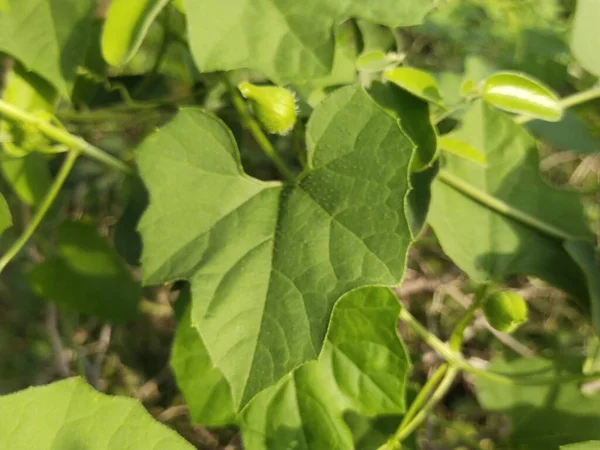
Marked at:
<point>60,358</point>
<point>95,370</point>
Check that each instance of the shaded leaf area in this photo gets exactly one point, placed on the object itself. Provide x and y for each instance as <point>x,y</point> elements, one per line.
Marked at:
<point>584,38</point>
<point>28,176</point>
<point>5,215</point>
<point>287,41</point>
<point>93,278</point>
<point>268,261</point>
<point>362,369</point>
<point>70,414</point>
<point>414,117</point>
<point>571,133</point>
<point>127,239</point>
<point>503,219</point>
<point>545,416</point>
<point>53,36</point>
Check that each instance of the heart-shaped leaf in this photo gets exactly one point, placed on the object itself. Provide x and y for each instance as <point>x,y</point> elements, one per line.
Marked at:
<point>362,368</point>
<point>70,414</point>
<point>287,41</point>
<point>268,261</point>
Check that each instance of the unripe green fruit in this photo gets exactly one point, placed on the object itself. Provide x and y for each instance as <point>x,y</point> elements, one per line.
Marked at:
<point>274,107</point>
<point>505,310</point>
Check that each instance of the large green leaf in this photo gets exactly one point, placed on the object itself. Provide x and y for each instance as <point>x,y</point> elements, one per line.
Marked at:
<point>93,279</point>
<point>544,416</point>
<point>585,39</point>
<point>127,22</point>
<point>70,414</point>
<point>503,219</point>
<point>287,41</point>
<point>362,368</point>
<point>5,215</point>
<point>50,37</point>
<point>268,261</point>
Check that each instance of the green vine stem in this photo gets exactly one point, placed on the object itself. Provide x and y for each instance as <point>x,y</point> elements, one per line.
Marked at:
<point>63,137</point>
<point>42,209</point>
<point>439,393</point>
<point>499,206</point>
<point>255,129</point>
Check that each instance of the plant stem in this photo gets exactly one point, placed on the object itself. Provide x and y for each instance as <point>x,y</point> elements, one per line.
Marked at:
<point>499,206</point>
<point>568,102</point>
<point>457,360</point>
<point>437,395</point>
<point>42,209</point>
<point>255,129</point>
<point>422,397</point>
<point>62,136</point>
<point>458,334</point>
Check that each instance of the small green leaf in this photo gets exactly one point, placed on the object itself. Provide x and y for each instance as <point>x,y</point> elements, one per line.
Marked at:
<point>374,61</point>
<point>28,176</point>
<point>244,231</point>
<point>547,408</point>
<point>417,82</point>
<point>127,23</point>
<point>5,216</point>
<point>518,93</point>
<point>585,39</point>
<point>461,148</point>
<point>70,414</point>
<point>93,278</point>
<point>53,37</point>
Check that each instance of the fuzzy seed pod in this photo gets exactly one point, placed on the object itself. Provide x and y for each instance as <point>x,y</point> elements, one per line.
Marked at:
<point>505,310</point>
<point>274,107</point>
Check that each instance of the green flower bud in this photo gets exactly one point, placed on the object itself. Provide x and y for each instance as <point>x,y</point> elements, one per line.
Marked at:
<point>505,310</point>
<point>274,107</point>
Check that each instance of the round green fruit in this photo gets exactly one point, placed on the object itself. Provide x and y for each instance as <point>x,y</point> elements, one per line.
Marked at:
<point>505,310</point>
<point>274,107</point>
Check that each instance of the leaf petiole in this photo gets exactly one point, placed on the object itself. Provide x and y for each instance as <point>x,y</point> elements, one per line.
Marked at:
<point>64,137</point>
<point>42,209</point>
